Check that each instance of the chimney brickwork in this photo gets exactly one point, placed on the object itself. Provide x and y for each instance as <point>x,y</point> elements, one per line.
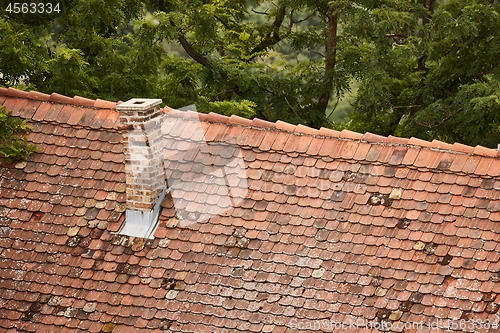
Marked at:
<point>141,124</point>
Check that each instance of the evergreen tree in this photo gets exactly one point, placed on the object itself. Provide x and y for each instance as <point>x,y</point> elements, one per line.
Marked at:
<point>13,147</point>
<point>433,73</point>
<point>425,68</point>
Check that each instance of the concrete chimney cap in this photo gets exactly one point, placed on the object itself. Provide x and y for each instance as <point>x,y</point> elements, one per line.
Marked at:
<point>139,104</point>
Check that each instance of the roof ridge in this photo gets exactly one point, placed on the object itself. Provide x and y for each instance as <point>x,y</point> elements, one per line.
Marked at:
<point>344,134</point>
<point>260,123</point>
<point>58,98</point>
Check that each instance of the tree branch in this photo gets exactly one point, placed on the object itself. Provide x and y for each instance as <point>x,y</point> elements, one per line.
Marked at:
<point>195,55</point>
<point>440,123</point>
<point>161,6</point>
<point>257,12</point>
<point>198,57</point>
<point>399,39</point>
<point>331,58</point>
<point>429,5</point>
<point>272,37</point>
<point>334,108</point>
<point>304,19</point>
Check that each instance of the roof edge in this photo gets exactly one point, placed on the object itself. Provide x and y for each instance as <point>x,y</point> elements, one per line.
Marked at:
<point>58,98</point>
<point>263,124</point>
<point>346,135</point>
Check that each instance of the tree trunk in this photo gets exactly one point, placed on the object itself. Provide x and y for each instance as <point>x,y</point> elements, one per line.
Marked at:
<point>331,58</point>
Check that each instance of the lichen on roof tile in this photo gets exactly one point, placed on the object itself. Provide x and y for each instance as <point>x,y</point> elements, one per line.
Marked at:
<point>316,225</point>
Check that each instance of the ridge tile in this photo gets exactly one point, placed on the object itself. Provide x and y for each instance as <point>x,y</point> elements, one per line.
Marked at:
<point>38,96</point>
<point>373,138</point>
<point>82,101</point>
<point>237,120</point>
<point>262,123</point>
<point>57,98</point>
<point>102,104</point>
<point>306,130</point>
<point>281,125</point>
<point>329,132</point>
<point>15,92</point>
<point>346,134</point>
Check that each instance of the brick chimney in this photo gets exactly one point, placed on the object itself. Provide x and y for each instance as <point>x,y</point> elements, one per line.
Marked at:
<point>145,181</point>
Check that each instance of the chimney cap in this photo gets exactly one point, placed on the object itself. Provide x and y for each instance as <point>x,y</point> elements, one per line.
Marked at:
<point>138,104</point>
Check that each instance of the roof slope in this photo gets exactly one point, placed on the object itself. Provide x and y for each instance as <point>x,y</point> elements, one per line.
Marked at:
<point>332,226</point>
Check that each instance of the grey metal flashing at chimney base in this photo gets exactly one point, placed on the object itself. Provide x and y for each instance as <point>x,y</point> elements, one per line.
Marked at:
<point>142,223</point>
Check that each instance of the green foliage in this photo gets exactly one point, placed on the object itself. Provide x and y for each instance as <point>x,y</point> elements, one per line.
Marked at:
<point>68,73</point>
<point>244,108</point>
<point>12,145</point>
<point>436,76</point>
<point>20,56</point>
<point>91,49</point>
<point>424,68</point>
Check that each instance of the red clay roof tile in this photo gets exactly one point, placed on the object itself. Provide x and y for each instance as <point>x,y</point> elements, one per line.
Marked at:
<point>329,132</point>
<point>4,91</point>
<point>418,142</point>
<point>410,156</point>
<point>268,140</point>
<point>76,115</point>
<point>331,147</point>
<point>306,130</point>
<point>397,140</point>
<point>284,126</point>
<point>38,96</point>
<point>441,145</point>
<point>471,164</point>
<point>234,119</point>
<point>86,119</point>
<point>462,148</point>
<point>101,104</point>
<point>56,98</point>
<point>215,132</point>
<point>398,154</point>
<point>100,118</point>
<point>189,128</point>
<point>349,149</point>
<point>298,144</point>
<point>483,166</point>
<point>310,220</point>
<point>216,118</point>
<point>262,123</point>
<point>252,138</point>
<point>111,121</point>
<point>53,113</point>
<point>14,92</point>
<point>479,150</point>
<point>314,146</point>
<point>370,137</point>
<point>41,112</point>
<point>350,135</point>
<point>82,101</point>
<point>15,105</point>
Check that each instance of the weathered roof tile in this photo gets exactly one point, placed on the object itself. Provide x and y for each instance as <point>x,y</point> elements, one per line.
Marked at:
<point>101,104</point>
<point>82,101</point>
<point>329,132</point>
<point>373,226</point>
<point>56,98</point>
<point>285,126</point>
<point>14,92</point>
<point>262,123</point>
<point>38,96</point>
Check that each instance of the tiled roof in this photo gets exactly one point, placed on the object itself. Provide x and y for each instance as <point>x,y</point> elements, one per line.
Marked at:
<point>335,227</point>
